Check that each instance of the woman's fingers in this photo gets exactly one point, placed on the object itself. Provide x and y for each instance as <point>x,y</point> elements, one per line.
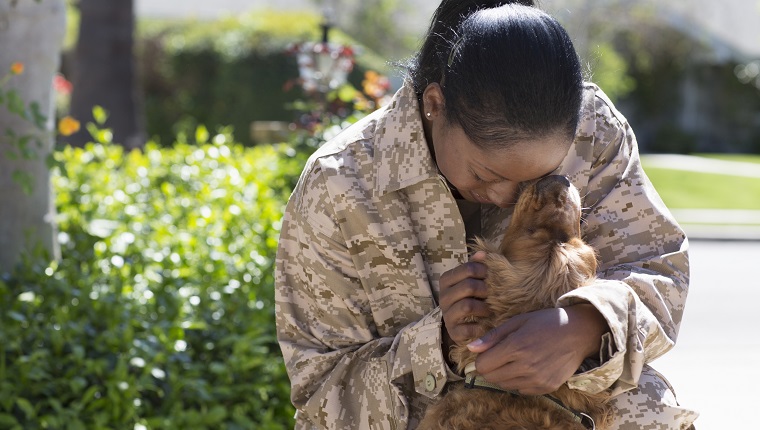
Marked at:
<point>465,280</point>
<point>460,320</point>
<point>462,291</point>
<point>537,352</point>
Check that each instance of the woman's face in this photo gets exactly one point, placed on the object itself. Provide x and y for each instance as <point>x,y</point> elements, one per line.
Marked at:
<point>493,176</point>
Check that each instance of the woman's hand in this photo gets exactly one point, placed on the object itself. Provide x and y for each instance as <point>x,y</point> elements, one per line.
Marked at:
<point>462,294</point>
<point>535,353</point>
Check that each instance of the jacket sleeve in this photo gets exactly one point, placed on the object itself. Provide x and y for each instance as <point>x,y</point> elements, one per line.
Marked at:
<point>343,374</point>
<point>644,272</point>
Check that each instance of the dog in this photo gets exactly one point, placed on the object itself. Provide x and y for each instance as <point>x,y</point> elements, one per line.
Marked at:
<point>541,257</point>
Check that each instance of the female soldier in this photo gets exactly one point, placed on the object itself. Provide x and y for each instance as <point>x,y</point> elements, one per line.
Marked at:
<point>373,283</point>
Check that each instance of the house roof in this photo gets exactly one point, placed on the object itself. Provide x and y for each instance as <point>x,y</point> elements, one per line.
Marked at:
<point>731,28</point>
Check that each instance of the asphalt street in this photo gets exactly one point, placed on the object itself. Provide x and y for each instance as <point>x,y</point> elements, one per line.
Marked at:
<point>715,366</point>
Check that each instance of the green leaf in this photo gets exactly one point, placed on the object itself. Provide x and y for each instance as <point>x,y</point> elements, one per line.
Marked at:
<point>7,421</point>
<point>347,93</point>
<point>25,180</point>
<point>201,134</point>
<point>194,325</point>
<point>104,136</point>
<point>50,421</point>
<point>89,394</point>
<point>216,415</point>
<point>15,104</point>
<point>51,162</point>
<point>100,115</point>
<point>26,407</point>
<point>38,118</point>
<point>27,153</point>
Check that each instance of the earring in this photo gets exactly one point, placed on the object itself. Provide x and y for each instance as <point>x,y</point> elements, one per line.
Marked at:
<point>428,115</point>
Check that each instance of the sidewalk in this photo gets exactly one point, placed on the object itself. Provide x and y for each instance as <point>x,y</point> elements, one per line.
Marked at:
<point>713,224</point>
<point>719,224</point>
<point>693,163</point>
<point>714,365</point>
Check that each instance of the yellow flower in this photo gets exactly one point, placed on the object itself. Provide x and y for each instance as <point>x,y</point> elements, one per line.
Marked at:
<point>17,68</point>
<point>68,126</point>
<point>375,85</point>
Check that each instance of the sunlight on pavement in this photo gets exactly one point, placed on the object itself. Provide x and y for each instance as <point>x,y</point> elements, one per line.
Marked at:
<point>714,366</point>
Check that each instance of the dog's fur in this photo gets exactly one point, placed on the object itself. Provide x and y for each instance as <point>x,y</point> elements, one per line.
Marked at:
<point>541,257</point>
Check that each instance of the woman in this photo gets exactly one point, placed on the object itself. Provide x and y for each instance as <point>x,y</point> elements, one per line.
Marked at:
<point>373,282</point>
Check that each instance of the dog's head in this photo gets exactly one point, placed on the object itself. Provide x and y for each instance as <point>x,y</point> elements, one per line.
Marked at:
<point>548,212</point>
<point>542,255</point>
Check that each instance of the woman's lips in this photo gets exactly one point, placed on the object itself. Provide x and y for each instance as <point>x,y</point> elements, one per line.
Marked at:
<point>481,199</point>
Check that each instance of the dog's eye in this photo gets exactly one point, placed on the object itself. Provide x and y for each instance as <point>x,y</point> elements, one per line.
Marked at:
<point>531,230</point>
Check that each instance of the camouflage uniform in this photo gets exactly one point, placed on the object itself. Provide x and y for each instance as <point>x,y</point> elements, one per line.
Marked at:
<point>370,228</point>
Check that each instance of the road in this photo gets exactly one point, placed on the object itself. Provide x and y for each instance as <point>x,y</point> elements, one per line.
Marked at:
<point>715,366</point>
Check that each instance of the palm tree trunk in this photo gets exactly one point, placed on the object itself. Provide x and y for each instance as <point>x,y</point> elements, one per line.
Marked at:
<point>104,71</point>
<point>31,33</point>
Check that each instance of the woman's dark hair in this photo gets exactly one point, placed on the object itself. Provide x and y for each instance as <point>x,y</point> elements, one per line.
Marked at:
<point>508,70</point>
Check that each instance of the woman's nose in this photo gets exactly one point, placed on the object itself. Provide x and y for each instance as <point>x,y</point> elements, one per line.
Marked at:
<point>503,194</point>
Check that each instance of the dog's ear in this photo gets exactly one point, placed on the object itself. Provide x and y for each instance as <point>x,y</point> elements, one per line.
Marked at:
<point>585,255</point>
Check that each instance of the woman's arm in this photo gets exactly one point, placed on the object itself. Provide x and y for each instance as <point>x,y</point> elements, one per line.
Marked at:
<point>343,372</point>
<point>644,272</point>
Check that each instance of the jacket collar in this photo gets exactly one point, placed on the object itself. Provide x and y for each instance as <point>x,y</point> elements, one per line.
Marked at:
<point>401,157</point>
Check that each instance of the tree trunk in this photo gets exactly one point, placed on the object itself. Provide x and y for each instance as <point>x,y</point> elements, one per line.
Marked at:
<point>31,33</point>
<point>104,71</point>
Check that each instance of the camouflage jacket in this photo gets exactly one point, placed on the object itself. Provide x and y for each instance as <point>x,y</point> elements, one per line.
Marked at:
<point>371,226</point>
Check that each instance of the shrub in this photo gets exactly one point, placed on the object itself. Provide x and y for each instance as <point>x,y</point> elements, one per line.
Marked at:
<point>160,314</point>
<point>228,71</point>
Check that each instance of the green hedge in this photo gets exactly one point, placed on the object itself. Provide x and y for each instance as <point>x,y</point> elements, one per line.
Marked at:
<point>232,71</point>
<point>160,314</point>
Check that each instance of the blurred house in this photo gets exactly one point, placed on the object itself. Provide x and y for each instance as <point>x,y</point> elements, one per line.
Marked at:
<point>700,90</point>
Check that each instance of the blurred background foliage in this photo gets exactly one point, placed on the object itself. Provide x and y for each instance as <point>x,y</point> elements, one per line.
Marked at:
<point>160,312</point>
<point>232,70</point>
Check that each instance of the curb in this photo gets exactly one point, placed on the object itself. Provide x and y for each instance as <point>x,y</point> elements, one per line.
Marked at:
<point>719,224</point>
<point>727,233</point>
<point>701,164</point>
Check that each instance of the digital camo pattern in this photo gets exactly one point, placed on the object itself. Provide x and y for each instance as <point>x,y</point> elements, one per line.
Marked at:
<point>651,406</point>
<point>370,228</point>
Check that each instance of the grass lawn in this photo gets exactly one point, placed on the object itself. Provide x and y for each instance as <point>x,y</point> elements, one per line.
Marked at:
<point>693,190</point>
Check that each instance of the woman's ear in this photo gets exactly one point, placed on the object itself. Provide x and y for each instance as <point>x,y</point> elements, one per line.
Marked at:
<point>433,101</point>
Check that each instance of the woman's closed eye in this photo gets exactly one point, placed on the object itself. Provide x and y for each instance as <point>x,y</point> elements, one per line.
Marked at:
<point>478,178</point>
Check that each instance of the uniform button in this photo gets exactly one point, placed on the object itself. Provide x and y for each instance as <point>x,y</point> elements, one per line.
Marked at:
<point>430,382</point>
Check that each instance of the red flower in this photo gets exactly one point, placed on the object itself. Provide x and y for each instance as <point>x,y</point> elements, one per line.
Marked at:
<point>61,85</point>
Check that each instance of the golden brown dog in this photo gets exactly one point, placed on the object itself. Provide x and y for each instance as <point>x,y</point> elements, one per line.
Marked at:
<point>541,257</point>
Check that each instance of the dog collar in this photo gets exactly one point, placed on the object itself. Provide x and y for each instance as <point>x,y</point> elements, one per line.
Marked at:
<point>473,380</point>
